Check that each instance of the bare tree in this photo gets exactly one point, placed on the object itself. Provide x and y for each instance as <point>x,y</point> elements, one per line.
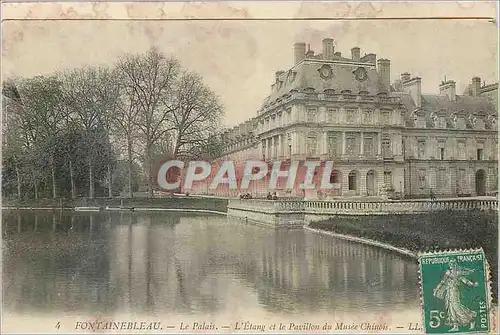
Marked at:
<point>150,79</point>
<point>196,115</point>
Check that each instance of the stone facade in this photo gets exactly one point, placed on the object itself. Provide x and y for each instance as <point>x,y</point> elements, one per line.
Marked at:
<point>383,138</point>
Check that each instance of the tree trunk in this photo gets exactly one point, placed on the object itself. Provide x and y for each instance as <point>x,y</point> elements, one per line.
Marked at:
<point>53,171</point>
<point>150,179</point>
<point>18,178</point>
<point>91,180</point>
<point>129,149</point>
<point>36,190</point>
<point>110,190</point>
<point>72,180</point>
<point>150,172</point>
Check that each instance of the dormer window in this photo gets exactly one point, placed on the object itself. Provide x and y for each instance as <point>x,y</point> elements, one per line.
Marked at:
<point>461,124</point>
<point>385,116</point>
<point>329,92</point>
<point>420,121</point>
<point>441,122</point>
<point>367,117</point>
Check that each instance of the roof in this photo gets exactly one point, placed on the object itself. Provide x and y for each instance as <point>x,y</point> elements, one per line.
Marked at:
<point>307,75</point>
<point>462,102</point>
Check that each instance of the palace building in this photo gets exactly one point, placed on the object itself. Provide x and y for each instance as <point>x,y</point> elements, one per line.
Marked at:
<point>385,138</point>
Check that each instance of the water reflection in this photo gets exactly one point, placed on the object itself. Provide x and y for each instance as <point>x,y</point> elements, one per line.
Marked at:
<point>161,263</point>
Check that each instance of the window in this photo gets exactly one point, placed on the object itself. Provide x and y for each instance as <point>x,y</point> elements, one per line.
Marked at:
<point>422,180</point>
<point>351,144</point>
<point>462,181</point>
<point>441,179</point>
<point>421,148</point>
<point>461,150</point>
<point>441,153</point>
<point>386,146</point>
<point>332,145</point>
<point>289,141</point>
<point>442,122</point>
<point>385,117</point>
<point>351,116</point>
<point>388,180</point>
<point>311,115</point>
<point>334,177</point>
<point>352,181</point>
<point>493,180</point>
<point>332,115</point>
<point>275,147</point>
<point>311,146</point>
<point>368,146</point>
<point>420,121</point>
<point>368,117</point>
<point>461,122</point>
<point>288,116</point>
<point>479,154</point>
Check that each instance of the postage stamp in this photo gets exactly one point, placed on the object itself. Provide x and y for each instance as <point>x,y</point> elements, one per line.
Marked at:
<point>455,292</point>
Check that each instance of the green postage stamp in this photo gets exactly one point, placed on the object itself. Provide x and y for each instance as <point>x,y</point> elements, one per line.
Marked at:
<point>455,292</point>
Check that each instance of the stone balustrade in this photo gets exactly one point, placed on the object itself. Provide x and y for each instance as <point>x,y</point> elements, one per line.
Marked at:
<point>297,213</point>
<point>395,207</point>
<point>360,207</point>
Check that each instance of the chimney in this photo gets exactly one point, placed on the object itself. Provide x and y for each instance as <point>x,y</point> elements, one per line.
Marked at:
<point>299,51</point>
<point>448,88</point>
<point>476,86</point>
<point>413,87</point>
<point>384,72</point>
<point>338,54</point>
<point>405,77</point>
<point>328,50</point>
<point>355,53</point>
<point>309,53</point>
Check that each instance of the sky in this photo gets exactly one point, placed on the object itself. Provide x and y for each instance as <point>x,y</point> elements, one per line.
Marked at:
<point>238,59</point>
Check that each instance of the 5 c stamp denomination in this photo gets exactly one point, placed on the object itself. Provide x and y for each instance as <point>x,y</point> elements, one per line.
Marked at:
<point>455,292</point>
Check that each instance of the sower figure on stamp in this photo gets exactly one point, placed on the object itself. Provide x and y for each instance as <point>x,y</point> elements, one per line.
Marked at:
<point>448,290</point>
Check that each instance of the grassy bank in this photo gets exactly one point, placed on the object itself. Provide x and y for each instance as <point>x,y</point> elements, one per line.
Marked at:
<point>178,202</point>
<point>424,232</point>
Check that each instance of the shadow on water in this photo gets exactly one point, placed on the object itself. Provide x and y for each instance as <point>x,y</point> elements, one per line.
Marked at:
<point>160,263</point>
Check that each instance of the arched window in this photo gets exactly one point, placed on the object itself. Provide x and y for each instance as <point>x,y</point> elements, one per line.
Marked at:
<point>334,177</point>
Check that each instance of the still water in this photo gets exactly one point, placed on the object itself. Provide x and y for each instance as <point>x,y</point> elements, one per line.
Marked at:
<point>156,264</point>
